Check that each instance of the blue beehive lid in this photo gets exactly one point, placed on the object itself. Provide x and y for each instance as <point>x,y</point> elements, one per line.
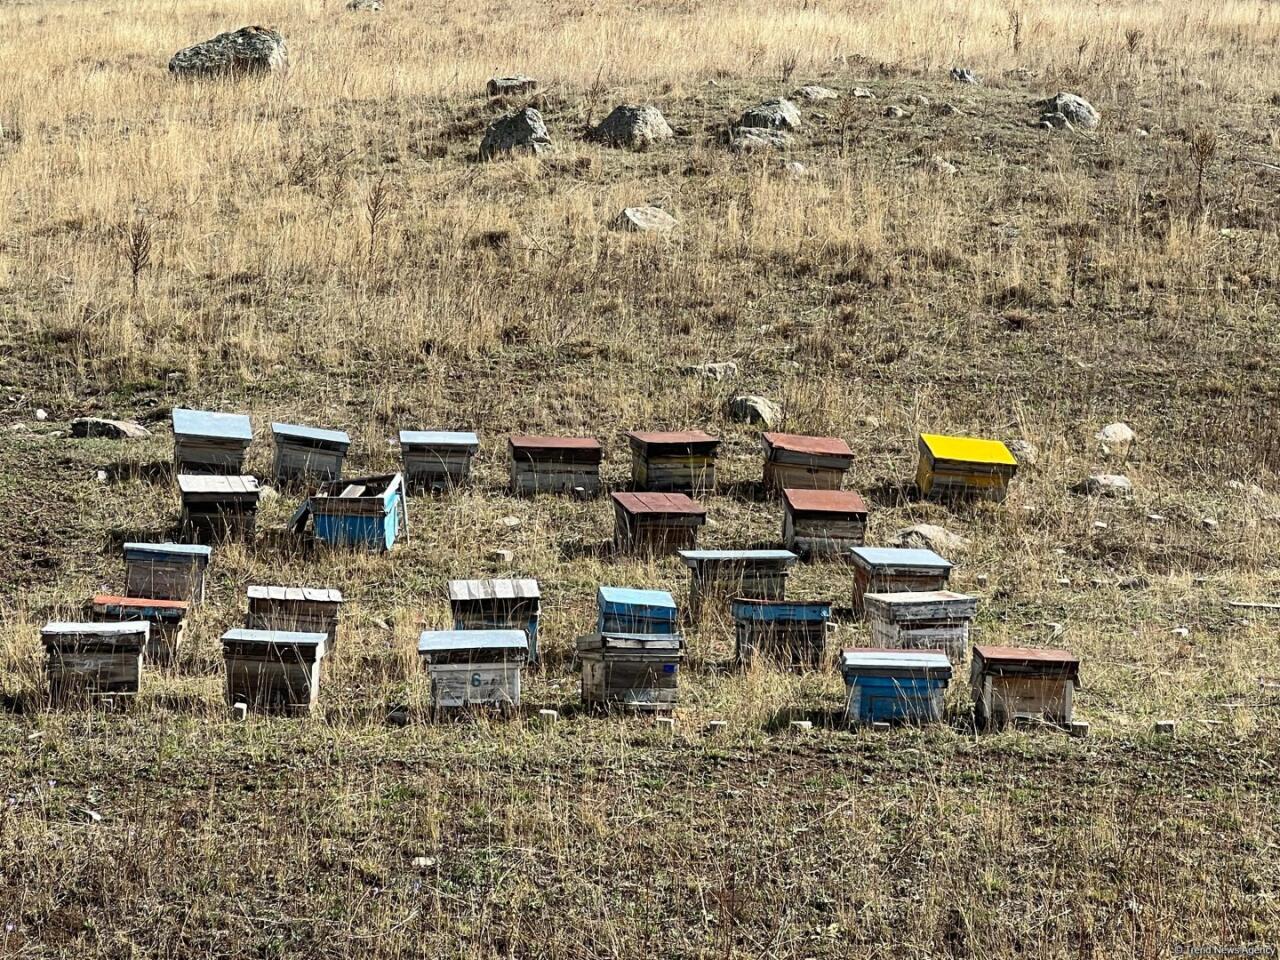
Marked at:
<point>653,603</point>
<point>692,557</point>
<point>780,610</point>
<point>454,641</point>
<point>898,557</point>
<point>167,550</point>
<point>311,434</point>
<point>275,638</point>
<point>919,664</point>
<point>438,438</point>
<point>204,423</point>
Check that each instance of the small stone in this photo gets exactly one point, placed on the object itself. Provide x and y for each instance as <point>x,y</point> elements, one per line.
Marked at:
<point>1116,434</point>
<point>1072,108</point>
<point>636,127</point>
<point>665,725</point>
<point>717,726</point>
<point>950,110</point>
<point>502,556</point>
<point>1181,632</point>
<point>1099,524</point>
<point>929,536</point>
<point>1141,134</point>
<point>801,726</point>
<point>548,717</point>
<point>646,220</point>
<point>747,409</point>
<point>815,94</point>
<point>97,428</point>
<point>240,712</point>
<point>249,50</point>
<point>938,166</point>
<point>1134,583</point>
<point>713,371</point>
<point>1105,485</point>
<point>772,115</point>
<point>862,93</point>
<point>42,415</point>
<point>751,139</point>
<point>522,132</point>
<point>1054,121</point>
<point>510,86</point>
<point>1063,582</point>
<point>1165,728</point>
<point>1025,452</point>
<point>510,522</point>
<point>1209,523</point>
<point>423,863</point>
<point>1155,518</point>
<point>964,75</point>
<point>880,726</point>
<point>918,100</point>
<point>795,169</point>
<point>895,113</point>
<point>1078,729</point>
<point>101,476</point>
<point>365,6</point>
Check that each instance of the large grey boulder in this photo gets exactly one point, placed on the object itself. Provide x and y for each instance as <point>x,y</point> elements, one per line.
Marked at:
<point>99,428</point>
<point>522,132</point>
<point>637,127</point>
<point>249,50</point>
<point>772,115</point>
<point>1076,110</point>
<point>646,220</point>
<point>813,93</point>
<point>747,409</point>
<point>510,86</point>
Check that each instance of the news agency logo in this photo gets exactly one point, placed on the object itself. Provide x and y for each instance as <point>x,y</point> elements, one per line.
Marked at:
<point>1224,950</point>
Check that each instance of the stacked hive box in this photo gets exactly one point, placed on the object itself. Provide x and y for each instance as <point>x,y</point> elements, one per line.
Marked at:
<point>273,671</point>
<point>656,523</point>
<point>964,467</point>
<point>787,633</point>
<point>167,619</point>
<point>555,465</point>
<point>86,661</point>
<point>749,574</point>
<point>218,507</point>
<point>166,571</point>
<point>497,605</point>
<point>795,461</point>
<point>308,454</point>
<point>623,610</point>
<point>892,570</point>
<point>633,660</point>
<point>206,442</point>
<point>929,620</point>
<point>887,686</point>
<point>823,524</point>
<point>296,610</point>
<point>474,667</point>
<point>368,512</point>
<point>437,460</point>
<point>1016,683</point>
<point>673,462</point>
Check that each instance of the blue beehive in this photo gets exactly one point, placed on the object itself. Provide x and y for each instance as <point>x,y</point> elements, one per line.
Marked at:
<point>623,610</point>
<point>790,633</point>
<point>894,685</point>
<point>368,512</point>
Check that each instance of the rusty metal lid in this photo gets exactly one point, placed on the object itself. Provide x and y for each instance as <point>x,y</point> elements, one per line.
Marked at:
<point>659,503</point>
<point>675,438</point>
<point>815,446</point>
<point>533,442</point>
<point>825,501</point>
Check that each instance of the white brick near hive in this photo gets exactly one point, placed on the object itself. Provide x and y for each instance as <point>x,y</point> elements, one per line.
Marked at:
<point>929,620</point>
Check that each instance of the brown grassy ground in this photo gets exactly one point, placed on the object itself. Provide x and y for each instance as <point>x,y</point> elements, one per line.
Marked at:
<point>1055,283</point>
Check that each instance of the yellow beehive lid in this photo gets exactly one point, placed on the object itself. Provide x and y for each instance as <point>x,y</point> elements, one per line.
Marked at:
<point>967,449</point>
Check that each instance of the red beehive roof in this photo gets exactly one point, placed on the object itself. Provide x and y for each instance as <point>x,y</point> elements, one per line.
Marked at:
<point>659,503</point>
<point>1025,655</point>
<point>553,443</point>
<point>825,501</point>
<point>673,437</point>
<point>106,599</point>
<point>817,446</point>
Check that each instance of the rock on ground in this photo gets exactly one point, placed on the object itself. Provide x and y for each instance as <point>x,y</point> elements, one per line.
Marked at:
<point>522,132</point>
<point>814,94</point>
<point>862,93</point>
<point>1025,452</point>
<point>939,166</point>
<point>1075,109</point>
<point>1117,433</point>
<point>772,115</point>
<point>928,536</point>
<point>964,75</point>
<point>646,220</point>
<point>99,428</point>
<point>510,86</point>
<point>894,112</point>
<point>714,371</point>
<point>1105,485</point>
<point>747,409</point>
<point>750,139</point>
<point>249,50</point>
<point>633,126</point>
<point>372,6</point>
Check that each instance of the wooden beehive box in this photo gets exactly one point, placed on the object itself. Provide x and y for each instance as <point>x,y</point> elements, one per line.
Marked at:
<point>1016,683</point>
<point>555,465</point>
<point>296,610</point>
<point>437,460</point>
<point>273,671</point>
<point>497,605</point>
<point>166,571</point>
<point>656,523</point>
<point>784,633</point>
<point>218,507</point>
<point>308,454</point>
<point>895,570</point>
<point>894,686</point>
<point>634,671</point>
<point>365,512</point>
<point>795,461</point>
<point>749,574</point>
<point>624,610</point>
<point>823,524</point>
<point>207,442</point>
<point>87,661</point>
<point>167,618</point>
<point>926,620</point>
<point>470,668</point>
<point>674,461</point>
<point>964,467</point>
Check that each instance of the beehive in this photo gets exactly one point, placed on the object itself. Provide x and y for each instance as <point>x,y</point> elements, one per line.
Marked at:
<point>1016,683</point>
<point>795,461</point>
<point>785,633</point>
<point>656,523</point>
<point>218,507</point>
<point>207,442</point>
<point>296,610</point>
<point>894,686</point>
<point>366,512</point>
<point>167,619</point>
<point>823,524</point>
<point>749,574</point>
<point>497,605</point>
<point>926,620</point>
<point>474,667</point>
<point>166,571</point>
<point>308,454</point>
<point>437,460</point>
<point>633,671</point>
<point>623,610</point>
<point>964,467</point>
<point>273,671</point>
<point>673,462</point>
<point>555,465</point>
<point>894,570</point>
<point>85,661</point>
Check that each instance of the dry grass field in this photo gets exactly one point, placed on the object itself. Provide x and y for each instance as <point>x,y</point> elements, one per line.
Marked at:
<point>325,248</point>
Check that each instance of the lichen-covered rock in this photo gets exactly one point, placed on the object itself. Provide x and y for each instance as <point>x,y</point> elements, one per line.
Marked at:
<point>1105,485</point>
<point>749,409</point>
<point>637,127</point>
<point>772,115</point>
<point>510,86</point>
<point>1077,110</point>
<point>100,428</point>
<point>751,139</point>
<point>370,6</point>
<point>646,220</point>
<point>249,50</point>
<point>814,94</point>
<point>522,132</point>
